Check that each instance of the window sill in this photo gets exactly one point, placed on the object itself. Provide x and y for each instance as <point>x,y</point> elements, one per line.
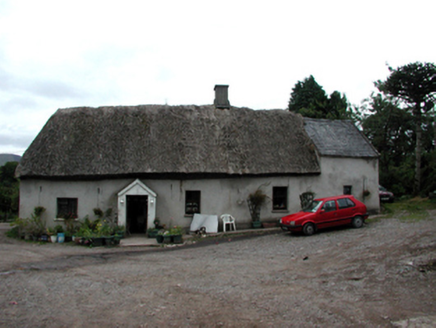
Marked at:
<point>62,219</point>
<point>279,211</point>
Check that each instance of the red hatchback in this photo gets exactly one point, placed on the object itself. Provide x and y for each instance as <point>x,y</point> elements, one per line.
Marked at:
<point>326,212</point>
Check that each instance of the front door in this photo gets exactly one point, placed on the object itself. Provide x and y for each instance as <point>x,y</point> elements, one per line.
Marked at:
<point>137,213</point>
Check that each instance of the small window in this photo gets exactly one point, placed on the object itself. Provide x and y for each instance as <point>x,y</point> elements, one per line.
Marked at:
<point>67,207</point>
<point>280,198</point>
<point>347,190</point>
<point>192,202</point>
<point>329,206</point>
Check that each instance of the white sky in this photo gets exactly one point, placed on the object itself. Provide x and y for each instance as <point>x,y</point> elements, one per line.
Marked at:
<point>57,54</point>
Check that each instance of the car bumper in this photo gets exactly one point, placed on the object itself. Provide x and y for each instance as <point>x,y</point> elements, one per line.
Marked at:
<point>287,227</point>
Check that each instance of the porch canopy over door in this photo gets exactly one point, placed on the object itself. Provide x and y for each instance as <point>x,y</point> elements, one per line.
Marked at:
<point>136,188</point>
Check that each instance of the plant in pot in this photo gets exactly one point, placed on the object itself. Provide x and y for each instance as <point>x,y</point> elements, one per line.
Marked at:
<point>152,232</point>
<point>36,226</point>
<point>176,233</point>
<point>163,236</point>
<point>60,233</point>
<point>106,231</point>
<point>255,201</point>
<point>51,232</point>
<point>70,225</point>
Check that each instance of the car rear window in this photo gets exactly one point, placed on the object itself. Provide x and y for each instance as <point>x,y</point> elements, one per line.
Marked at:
<point>345,202</point>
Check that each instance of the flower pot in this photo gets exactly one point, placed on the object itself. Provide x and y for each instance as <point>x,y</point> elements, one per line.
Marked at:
<point>109,240</point>
<point>256,224</point>
<point>159,239</point>
<point>44,237</point>
<point>61,237</point>
<point>152,233</point>
<point>97,241</point>
<point>53,238</point>
<point>167,239</point>
<point>177,239</point>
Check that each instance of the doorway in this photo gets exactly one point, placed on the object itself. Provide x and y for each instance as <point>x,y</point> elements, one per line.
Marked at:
<point>137,213</point>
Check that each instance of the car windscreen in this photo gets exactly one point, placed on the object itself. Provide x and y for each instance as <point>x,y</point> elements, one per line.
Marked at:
<point>313,207</point>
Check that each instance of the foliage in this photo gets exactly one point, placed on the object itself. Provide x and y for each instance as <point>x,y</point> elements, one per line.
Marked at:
<point>58,228</point>
<point>98,212</point>
<point>20,224</point>
<point>306,199</point>
<point>176,230</point>
<point>9,190</point>
<point>255,201</point>
<point>36,224</point>
<point>410,209</point>
<point>415,85</point>
<point>310,100</point>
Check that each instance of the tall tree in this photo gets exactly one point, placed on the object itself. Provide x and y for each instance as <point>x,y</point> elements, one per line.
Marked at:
<point>9,189</point>
<point>309,99</point>
<point>415,84</point>
<point>390,130</point>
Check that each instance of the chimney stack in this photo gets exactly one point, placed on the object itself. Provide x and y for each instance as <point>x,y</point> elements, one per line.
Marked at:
<point>221,96</point>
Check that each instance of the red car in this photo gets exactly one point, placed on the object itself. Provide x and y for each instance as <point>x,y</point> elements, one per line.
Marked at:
<point>326,212</point>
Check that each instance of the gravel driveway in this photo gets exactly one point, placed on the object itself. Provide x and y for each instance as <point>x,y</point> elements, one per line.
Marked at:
<point>382,275</point>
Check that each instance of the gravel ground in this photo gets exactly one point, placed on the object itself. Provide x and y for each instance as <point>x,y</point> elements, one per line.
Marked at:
<point>381,275</point>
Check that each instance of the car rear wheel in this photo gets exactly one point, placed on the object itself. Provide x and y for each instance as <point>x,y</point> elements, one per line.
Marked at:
<point>308,229</point>
<point>357,222</point>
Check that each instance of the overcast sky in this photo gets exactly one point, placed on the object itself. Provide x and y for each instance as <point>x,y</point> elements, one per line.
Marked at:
<point>58,54</point>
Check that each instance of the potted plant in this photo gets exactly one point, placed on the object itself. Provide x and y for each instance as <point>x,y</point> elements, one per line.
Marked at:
<point>107,233</point>
<point>176,233</point>
<point>160,235</point>
<point>60,233</point>
<point>255,201</point>
<point>152,232</point>
<point>51,232</point>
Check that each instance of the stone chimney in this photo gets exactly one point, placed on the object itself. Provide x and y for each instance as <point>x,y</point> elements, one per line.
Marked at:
<point>221,96</point>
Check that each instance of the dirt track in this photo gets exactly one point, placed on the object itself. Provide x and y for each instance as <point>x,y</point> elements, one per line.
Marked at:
<point>377,276</point>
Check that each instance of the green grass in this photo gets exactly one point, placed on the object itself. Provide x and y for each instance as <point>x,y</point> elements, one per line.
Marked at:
<point>414,209</point>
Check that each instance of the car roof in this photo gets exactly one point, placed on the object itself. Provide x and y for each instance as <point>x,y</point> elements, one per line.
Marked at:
<point>334,197</point>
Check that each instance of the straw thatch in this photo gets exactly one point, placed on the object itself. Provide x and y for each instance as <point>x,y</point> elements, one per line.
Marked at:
<point>160,139</point>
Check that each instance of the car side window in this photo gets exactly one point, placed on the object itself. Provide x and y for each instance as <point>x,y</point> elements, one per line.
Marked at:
<point>342,203</point>
<point>329,206</point>
<point>345,203</point>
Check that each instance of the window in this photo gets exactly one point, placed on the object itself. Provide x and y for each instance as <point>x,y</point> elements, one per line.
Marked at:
<point>345,203</point>
<point>280,198</point>
<point>347,190</point>
<point>67,207</point>
<point>192,202</point>
<point>329,206</point>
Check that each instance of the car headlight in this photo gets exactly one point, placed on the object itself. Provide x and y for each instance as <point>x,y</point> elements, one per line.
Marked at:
<point>292,223</point>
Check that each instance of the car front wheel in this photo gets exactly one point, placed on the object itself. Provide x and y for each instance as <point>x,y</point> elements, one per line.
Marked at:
<point>308,229</point>
<point>357,222</point>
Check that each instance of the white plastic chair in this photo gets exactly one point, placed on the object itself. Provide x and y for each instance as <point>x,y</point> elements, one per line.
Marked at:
<point>228,219</point>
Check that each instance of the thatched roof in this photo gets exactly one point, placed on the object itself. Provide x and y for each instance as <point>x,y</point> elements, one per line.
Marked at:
<point>159,139</point>
<point>339,138</point>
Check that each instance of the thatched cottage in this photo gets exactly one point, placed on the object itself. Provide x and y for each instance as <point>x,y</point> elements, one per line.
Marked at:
<point>169,162</point>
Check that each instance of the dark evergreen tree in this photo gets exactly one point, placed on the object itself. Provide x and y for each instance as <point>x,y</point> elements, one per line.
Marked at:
<point>415,84</point>
<point>309,99</point>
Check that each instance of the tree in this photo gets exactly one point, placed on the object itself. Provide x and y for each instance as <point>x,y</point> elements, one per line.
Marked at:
<point>9,189</point>
<point>390,130</point>
<point>415,84</point>
<point>309,99</point>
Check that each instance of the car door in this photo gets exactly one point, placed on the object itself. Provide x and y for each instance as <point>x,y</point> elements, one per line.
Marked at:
<point>327,215</point>
<point>346,210</point>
